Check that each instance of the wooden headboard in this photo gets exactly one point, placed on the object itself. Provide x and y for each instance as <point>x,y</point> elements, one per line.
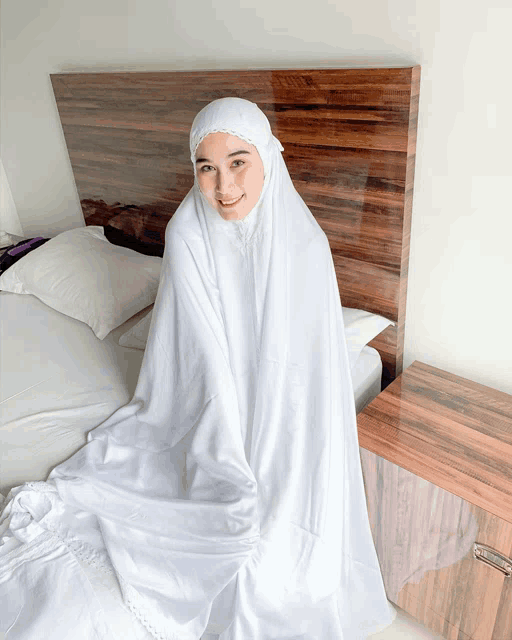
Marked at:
<point>349,138</point>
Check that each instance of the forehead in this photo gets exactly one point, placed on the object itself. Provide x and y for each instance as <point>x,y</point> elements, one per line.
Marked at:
<point>222,144</point>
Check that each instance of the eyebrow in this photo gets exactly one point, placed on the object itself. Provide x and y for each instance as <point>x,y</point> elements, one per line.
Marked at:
<point>230,155</point>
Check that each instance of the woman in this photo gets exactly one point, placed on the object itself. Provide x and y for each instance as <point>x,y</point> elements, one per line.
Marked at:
<point>227,496</point>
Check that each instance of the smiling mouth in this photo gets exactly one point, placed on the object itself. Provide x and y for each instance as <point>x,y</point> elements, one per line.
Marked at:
<point>230,203</point>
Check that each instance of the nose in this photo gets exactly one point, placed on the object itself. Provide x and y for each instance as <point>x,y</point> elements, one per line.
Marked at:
<point>224,183</point>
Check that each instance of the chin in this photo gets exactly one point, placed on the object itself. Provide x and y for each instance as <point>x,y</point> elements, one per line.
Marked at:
<point>233,215</point>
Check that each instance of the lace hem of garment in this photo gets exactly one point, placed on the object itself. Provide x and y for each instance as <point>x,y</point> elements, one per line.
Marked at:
<point>43,544</point>
<point>100,561</point>
<point>50,540</point>
<point>40,487</point>
<point>94,558</point>
<point>55,536</point>
<point>52,534</point>
<point>139,609</point>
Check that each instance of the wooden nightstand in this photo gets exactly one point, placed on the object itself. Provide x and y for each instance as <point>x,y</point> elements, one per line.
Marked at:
<point>436,452</point>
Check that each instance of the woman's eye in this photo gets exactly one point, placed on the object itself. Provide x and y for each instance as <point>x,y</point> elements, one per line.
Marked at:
<point>238,165</point>
<point>205,168</point>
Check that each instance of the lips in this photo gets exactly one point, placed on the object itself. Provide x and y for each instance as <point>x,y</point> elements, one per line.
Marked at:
<point>230,203</point>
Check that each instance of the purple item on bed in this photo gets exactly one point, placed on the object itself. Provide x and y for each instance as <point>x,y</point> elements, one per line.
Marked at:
<point>8,258</point>
<point>25,245</point>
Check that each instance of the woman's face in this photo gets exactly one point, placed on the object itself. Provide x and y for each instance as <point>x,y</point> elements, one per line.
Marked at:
<point>230,174</point>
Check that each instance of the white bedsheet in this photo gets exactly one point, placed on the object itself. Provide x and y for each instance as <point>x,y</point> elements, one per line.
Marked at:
<point>58,381</point>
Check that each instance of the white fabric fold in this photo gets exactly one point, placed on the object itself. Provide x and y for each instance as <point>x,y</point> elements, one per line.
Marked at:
<point>228,494</point>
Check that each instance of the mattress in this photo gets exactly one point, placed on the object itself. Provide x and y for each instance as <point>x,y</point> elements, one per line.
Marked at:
<point>58,381</point>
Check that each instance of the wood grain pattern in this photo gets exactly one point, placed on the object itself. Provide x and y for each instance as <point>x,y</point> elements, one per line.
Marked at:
<point>349,138</point>
<point>448,430</point>
<point>424,538</point>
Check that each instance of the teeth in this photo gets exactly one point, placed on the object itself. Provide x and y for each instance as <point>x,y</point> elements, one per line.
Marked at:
<point>229,201</point>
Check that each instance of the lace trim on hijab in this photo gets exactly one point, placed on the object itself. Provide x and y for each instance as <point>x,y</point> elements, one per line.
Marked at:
<point>231,132</point>
<point>235,133</point>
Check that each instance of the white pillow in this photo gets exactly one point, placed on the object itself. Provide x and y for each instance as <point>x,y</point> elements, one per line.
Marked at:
<point>82,275</point>
<point>360,328</point>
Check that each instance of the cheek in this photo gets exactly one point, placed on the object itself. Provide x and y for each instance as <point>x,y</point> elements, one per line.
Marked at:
<point>205,183</point>
<point>254,182</point>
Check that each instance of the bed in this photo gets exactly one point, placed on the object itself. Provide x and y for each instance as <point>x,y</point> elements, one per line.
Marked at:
<point>349,139</point>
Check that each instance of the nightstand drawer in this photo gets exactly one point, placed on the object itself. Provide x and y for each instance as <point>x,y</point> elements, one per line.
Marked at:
<point>425,539</point>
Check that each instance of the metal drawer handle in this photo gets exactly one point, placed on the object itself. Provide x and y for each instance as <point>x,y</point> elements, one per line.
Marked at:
<point>493,558</point>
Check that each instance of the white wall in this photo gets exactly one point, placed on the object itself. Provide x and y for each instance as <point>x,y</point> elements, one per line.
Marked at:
<point>459,303</point>
<point>9,219</point>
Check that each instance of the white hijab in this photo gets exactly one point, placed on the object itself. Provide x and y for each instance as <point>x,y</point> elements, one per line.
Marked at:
<point>228,494</point>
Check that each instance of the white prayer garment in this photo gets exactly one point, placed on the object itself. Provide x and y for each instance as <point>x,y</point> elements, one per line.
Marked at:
<point>227,497</point>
